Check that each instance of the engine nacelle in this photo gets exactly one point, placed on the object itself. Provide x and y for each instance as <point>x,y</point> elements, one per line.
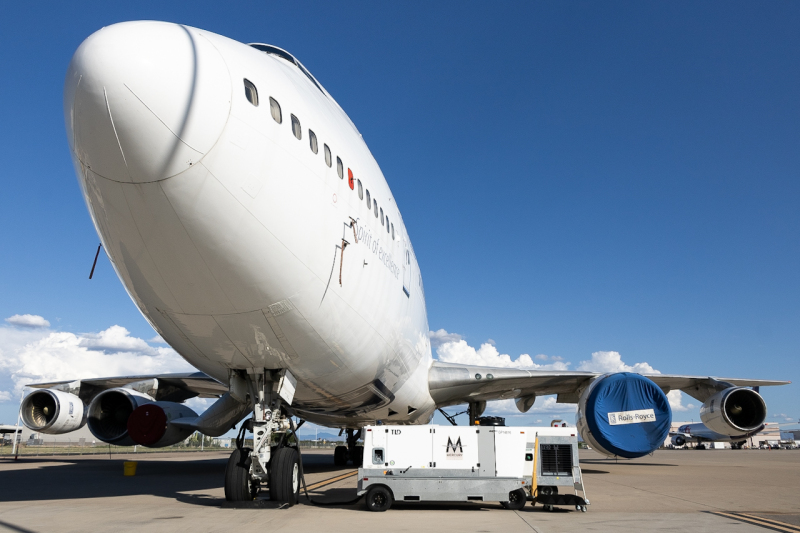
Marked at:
<point>678,440</point>
<point>734,411</point>
<point>151,424</point>
<point>109,412</point>
<point>52,411</point>
<point>624,415</point>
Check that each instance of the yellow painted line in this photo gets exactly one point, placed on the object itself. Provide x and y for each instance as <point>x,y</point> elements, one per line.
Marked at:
<point>759,522</point>
<point>332,480</point>
<point>782,524</point>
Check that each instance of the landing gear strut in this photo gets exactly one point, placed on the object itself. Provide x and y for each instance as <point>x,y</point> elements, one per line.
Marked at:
<point>277,464</point>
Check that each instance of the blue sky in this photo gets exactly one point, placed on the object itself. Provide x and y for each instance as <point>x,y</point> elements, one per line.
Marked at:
<point>576,177</point>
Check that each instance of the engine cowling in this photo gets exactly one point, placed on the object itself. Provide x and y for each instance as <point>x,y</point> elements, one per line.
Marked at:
<point>624,415</point>
<point>734,411</point>
<point>151,424</point>
<point>109,412</point>
<point>678,440</point>
<point>52,412</point>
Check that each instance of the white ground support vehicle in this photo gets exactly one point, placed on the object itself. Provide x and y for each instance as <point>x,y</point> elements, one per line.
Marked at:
<point>467,463</point>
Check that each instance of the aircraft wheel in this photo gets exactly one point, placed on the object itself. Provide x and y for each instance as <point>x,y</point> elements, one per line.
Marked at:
<point>357,456</point>
<point>379,498</point>
<point>237,477</point>
<point>340,456</point>
<point>285,475</point>
<point>516,500</point>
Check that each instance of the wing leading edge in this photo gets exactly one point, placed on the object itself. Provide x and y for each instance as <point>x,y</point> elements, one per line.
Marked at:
<point>165,387</point>
<point>452,383</point>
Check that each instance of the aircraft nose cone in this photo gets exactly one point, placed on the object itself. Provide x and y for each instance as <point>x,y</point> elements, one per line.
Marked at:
<point>144,101</point>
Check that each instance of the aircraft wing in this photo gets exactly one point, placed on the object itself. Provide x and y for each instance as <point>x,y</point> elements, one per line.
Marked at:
<point>452,384</point>
<point>166,387</point>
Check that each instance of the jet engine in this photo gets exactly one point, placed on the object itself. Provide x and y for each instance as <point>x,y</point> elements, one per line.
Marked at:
<point>734,411</point>
<point>624,415</point>
<point>678,440</point>
<point>109,412</point>
<point>151,424</point>
<point>53,411</point>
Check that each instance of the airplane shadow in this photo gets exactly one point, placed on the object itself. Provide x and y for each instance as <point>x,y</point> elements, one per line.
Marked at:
<point>56,478</point>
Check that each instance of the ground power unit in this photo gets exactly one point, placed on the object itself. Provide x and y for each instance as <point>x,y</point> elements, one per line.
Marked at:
<point>469,463</point>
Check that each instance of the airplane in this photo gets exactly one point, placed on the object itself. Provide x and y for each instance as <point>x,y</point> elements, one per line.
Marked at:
<point>250,224</point>
<point>698,433</point>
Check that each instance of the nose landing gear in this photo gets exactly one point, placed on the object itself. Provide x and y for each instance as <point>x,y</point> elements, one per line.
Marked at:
<point>276,464</point>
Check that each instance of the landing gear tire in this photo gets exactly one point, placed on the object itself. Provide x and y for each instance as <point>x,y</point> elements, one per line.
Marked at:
<point>285,475</point>
<point>516,500</point>
<point>237,477</point>
<point>379,498</point>
<point>357,457</point>
<point>340,456</point>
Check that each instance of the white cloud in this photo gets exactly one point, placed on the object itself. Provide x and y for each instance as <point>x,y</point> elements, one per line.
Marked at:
<point>441,336</point>
<point>675,398</point>
<point>41,355</point>
<point>157,340</point>
<point>453,349</point>
<point>612,362</point>
<point>28,321</point>
<point>4,396</point>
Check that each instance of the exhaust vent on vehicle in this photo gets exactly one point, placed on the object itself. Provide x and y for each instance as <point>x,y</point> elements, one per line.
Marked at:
<point>556,459</point>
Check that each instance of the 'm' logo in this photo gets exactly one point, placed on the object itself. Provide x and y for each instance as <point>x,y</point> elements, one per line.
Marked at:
<point>454,448</point>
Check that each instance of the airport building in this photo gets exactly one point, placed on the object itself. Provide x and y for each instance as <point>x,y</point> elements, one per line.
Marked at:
<point>769,435</point>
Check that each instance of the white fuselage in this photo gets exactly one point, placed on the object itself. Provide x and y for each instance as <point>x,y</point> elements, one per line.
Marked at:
<point>227,230</point>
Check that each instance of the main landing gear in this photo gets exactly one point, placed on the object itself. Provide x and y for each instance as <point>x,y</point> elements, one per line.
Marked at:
<point>351,452</point>
<point>272,460</point>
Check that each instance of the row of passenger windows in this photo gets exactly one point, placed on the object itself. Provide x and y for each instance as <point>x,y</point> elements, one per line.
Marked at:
<point>251,93</point>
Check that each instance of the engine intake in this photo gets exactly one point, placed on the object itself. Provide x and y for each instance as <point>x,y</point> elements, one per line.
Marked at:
<point>734,411</point>
<point>52,412</point>
<point>624,415</point>
<point>109,412</point>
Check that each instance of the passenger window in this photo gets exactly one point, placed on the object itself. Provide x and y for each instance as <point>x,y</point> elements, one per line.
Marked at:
<point>375,205</point>
<point>251,92</point>
<point>327,155</point>
<point>296,129</point>
<point>387,224</point>
<point>369,202</point>
<point>275,109</point>
<point>339,168</point>
<point>313,140</point>
<point>392,231</point>
<point>360,190</point>
<point>381,216</point>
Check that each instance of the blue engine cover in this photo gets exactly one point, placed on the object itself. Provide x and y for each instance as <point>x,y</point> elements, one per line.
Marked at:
<point>620,393</point>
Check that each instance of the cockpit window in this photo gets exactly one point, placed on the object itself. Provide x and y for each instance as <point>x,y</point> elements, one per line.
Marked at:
<point>283,54</point>
<point>275,109</point>
<point>296,129</point>
<point>251,92</point>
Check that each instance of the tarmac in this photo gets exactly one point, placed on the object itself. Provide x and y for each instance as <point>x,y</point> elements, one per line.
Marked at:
<point>674,490</point>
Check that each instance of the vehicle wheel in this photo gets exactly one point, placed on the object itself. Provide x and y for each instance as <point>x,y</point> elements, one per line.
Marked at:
<point>285,474</point>
<point>358,456</point>
<point>379,498</point>
<point>548,508</point>
<point>237,477</point>
<point>340,456</point>
<point>516,500</point>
